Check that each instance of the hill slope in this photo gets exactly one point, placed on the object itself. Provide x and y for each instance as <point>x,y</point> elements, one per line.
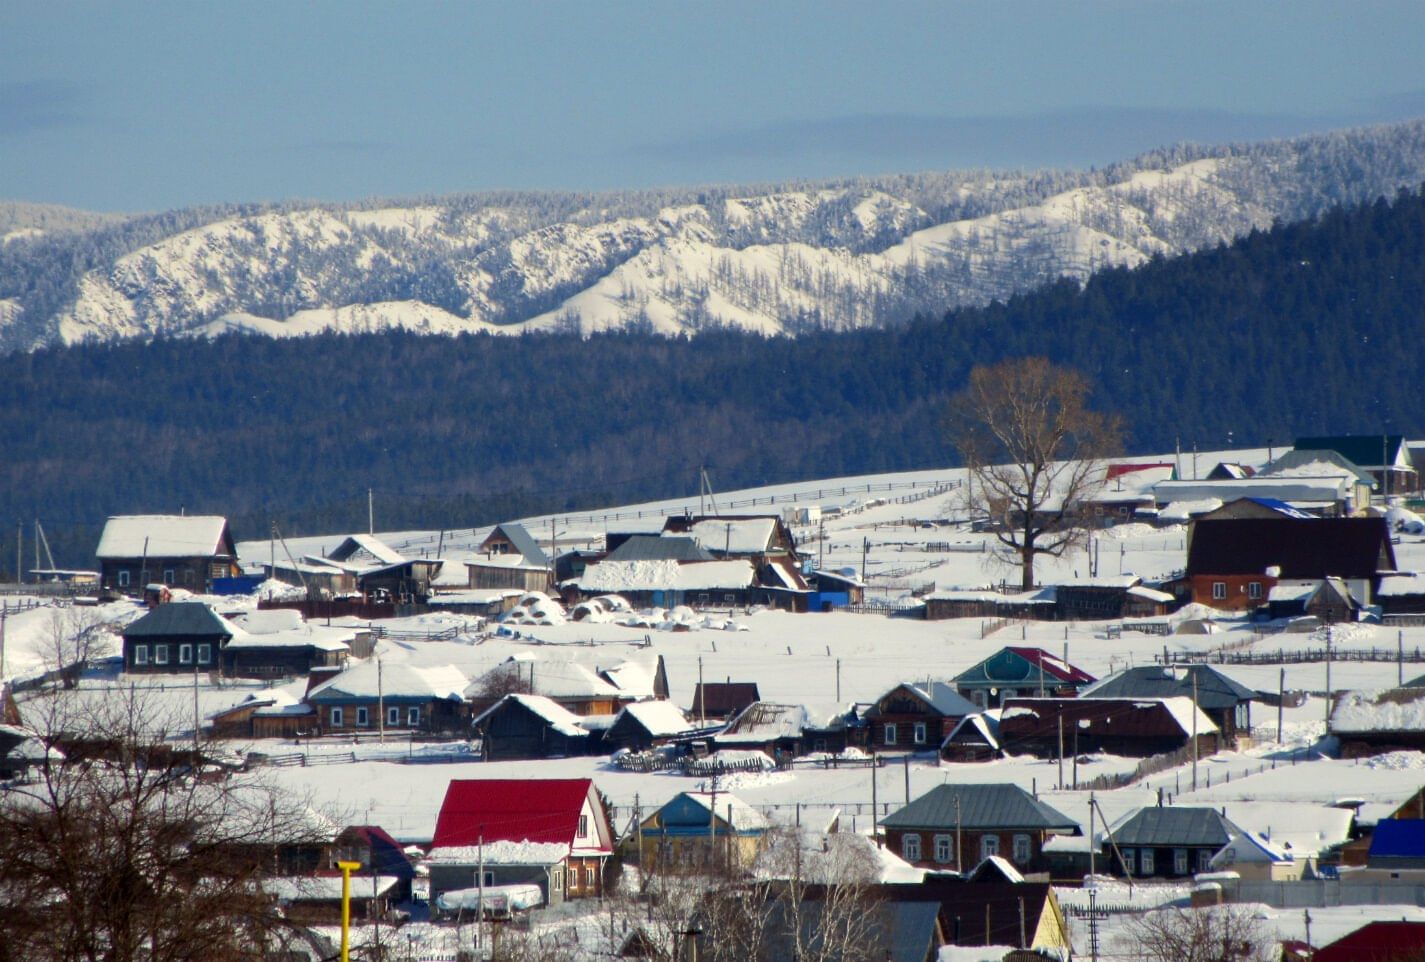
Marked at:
<point>1304,329</point>
<point>785,259</point>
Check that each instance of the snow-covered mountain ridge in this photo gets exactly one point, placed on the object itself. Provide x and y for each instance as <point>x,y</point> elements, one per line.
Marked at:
<point>776,261</point>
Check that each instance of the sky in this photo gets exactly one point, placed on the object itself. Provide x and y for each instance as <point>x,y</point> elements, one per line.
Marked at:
<point>146,106</point>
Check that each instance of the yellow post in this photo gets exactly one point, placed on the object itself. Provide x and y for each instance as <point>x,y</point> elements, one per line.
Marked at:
<point>346,869</point>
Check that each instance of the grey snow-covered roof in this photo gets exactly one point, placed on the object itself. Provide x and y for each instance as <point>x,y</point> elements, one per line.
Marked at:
<point>941,696</point>
<point>180,618</point>
<point>1214,689</point>
<point>644,547</point>
<point>982,806</point>
<point>1157,826</point>
<point>524,543</point>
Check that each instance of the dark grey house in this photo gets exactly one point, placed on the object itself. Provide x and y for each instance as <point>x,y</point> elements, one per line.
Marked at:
<point>975,822</point>
<point>1173,842</point>
<point>177,637</point>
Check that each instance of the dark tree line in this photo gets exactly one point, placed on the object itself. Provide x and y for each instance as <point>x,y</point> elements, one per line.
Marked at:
<point>1308,328</point>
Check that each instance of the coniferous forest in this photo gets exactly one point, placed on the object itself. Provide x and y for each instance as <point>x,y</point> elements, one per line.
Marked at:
<point>1306,328</point>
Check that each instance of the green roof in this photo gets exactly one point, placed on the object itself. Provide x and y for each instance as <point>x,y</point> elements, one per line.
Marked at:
<point>994,805</point>
<point>1162,827</point>
<point>179,619</point>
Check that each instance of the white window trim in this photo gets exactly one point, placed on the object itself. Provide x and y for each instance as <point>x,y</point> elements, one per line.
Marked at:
<point>920,733</point>
<point>413,716</point>
<point>337,718</point>
<point>1180,861</point>
<point>1219,591</point>
<point>123,579</point>
<point>160,654</point>
<point>205,654</point>
<point>944,849</point>
<point>393,716</point>
<point>1254,589</point>
<point>363,716</point>
<point>185,654</point>
<point>989,845</point>
<point>910,846</point>
<point>141,654</point>
<point>890,735</point>
<point>1022,843</point>
<point>1146,863</point>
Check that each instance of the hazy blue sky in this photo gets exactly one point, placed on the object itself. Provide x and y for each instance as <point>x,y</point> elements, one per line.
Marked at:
<point>138,105</point>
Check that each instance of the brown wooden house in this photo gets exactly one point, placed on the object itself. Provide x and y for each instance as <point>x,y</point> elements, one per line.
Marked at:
<point>916,716</point>
<point>954,827</point>
<point>1135,727</point>
<point>183,551</point>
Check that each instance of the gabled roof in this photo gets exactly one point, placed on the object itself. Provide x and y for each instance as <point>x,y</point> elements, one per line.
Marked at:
<point>397,680</point>
<point>981,806</point>
<point>1214,689</point>
<point>767,721</point>
<point>1016,667</point>
<point>181,618</point>
<point>728,535</point>
<point>940,696</point>
<point>1398,710</point>
<point>1367,450</point>
<point>511,809</point>
<point>905,931</point>
<point>554,714</point>
<point>1318,462</point>
<point>524,543</point>
<point>693,808</point>
<point>1030,718</point>
<point>724,697</point>
<point>981,729</point>
<point>647,547</point>
<point>658,718</point>
<point>1346,547</point>
<point>1182,826</point>
<point>1376,942</point>
<point>165,536</point>
<point>980,913</point>
<point>1398,838</point>
<point>371,545</point>
<point>552,677</point>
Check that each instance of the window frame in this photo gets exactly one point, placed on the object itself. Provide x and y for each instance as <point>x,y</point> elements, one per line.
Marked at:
<point>413,716</point>
<point>1180,861</point>
<point>944,849</point>
<point>121,578</point>
<point>1219,591</point>
<point>140,654</point>
<point>160,654</point>
<point>393,715</point>
<point>989,846</point>
<point>1147,863</point>
<point>185,653</point>
<point>889,733</point>
<point>168,577</point>
<point>336,717</point>
<point>205,654</point>
<point>1021,841</point>
<point>1254,590</point>
<point>591,877</point>
<point>910,846</point>
<point>920,732</point>
<point>363,716</point>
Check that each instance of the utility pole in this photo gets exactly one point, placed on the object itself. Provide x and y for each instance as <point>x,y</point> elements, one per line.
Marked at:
<point>865,547</point>
<point>370,512</point>
<point>380,704</point>
<point>702,697</point>
<point>959,831</point>
<point>1194,728</point>
<point>1328,680</point>
<point>1061,750</point>
<point>875,836</point>
<point>1281,698</point>
<point>1092,852</point>
<point>838,671</point>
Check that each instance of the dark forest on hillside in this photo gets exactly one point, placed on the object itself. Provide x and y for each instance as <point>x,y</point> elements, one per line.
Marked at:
<point>1307,328</point>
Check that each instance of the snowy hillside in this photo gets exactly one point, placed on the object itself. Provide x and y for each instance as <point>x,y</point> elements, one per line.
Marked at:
<point>775,260</point>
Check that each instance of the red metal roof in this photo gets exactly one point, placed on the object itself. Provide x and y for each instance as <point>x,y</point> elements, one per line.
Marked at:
<point>1118,470</point>
<point>1376,942</point>
<point>511,810</point>
<point>1052,665</point>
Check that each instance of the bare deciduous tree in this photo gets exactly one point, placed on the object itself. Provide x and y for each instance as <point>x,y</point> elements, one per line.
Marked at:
<point>120,852</point>
<point>75,635</point>
<point>1034,451</point>
<point>1224,933</point>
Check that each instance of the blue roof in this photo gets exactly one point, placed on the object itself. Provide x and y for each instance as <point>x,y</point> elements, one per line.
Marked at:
<point>1281,507</point>
<point>1398,838</point>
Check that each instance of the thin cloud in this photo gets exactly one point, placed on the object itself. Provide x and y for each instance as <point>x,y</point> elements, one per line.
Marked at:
<point>30,105</point>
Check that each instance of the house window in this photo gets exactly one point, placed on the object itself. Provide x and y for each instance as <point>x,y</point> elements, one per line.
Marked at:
<point>978,697</point>
<point>168,576</point>
<point>160,654</point>
<point>205,654</point>
<point>590,876</point>
<point>413,717</point>
<point>944,849</point>
<point>393,716</point>
<point>702,600</point>
<point>910,847</point>
<point>141,654</point>
<point>890,733</point>
<point>1145,862</point>
<point>188,576</point>
<point>1008,693</point>
<point>573,880</point>
<point>1021,850</point>
<point>336,718</point>
<point>489,879</point>
<point>1254,589</point>
<point>1219,591</point>
<point>1129,861</point>
<point>1204,860</point>
<point>989,845</point>
<point>559,879</point>
<point>583,826</point>
<point>920,733</point>
<point>729,599</point>
<point>1180,861</point>
<point>123,579</point>
<point>185,654</point>
<point>362,717</point>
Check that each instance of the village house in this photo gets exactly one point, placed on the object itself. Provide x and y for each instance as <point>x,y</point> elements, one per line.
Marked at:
<point>1126,494</point>
<point>1385,456</point>
<point>510,558</point>
<point>1166,842</point>
<point>278,642</point>
<point>1373,723</point>
<point>1233,565</point>
<point>916,716</point>
<point>271,713</point>
<point>1023,915</point>
<point>1135,727</point>
<point>974,739</point>
<point>1227,702</point>
<point>317,899</point>
<point>1255,857</point>
<point>645,724</point>
<point>182,636</point>
<point>720,700</point>
<point>397,697</point>
<point>1012,671</point>
<point>698,832</point>
<point>529,726</point>
<point>784,730</point>
<point>183,551</point>
<point>952,826</point>
<point>575,686</point>
<point>553,833</point>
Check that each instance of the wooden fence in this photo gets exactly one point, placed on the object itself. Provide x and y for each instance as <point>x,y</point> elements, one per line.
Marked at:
<point>1298,657</point>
